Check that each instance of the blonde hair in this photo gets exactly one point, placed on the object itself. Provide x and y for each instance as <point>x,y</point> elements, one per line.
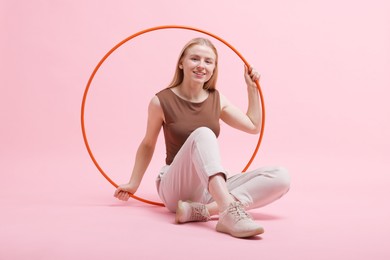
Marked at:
<point>179,75</point>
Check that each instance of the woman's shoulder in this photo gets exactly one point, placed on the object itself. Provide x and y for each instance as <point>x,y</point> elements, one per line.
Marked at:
<point>155,101</point>
<point>223,100</point>
<point>217,93</point>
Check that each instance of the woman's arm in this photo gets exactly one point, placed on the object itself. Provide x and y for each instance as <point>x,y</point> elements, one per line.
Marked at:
<point>145,150</point>
<point>233,116</point>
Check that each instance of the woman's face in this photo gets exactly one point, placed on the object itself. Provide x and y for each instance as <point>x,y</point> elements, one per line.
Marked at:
<point>198,63</point>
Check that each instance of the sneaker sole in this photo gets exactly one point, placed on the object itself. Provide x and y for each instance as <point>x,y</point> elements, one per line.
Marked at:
<point>250,233</point>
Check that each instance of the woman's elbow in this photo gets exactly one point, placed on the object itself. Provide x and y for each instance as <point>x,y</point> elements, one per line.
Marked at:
<point>254,130</point>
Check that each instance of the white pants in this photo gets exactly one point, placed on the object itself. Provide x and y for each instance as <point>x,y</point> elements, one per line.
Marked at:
<point>187,177</point>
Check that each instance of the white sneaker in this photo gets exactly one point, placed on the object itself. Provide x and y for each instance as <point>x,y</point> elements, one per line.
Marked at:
<point>236,222</point>
<point>188,211</point>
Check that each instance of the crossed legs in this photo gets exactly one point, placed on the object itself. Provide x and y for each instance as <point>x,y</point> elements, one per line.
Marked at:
<point>196,175</point>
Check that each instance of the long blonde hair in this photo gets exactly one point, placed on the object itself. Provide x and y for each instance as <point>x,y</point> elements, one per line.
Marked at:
<point>179,75</point>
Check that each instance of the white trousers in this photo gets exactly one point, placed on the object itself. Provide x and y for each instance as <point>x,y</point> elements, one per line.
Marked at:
<point>187,177</point>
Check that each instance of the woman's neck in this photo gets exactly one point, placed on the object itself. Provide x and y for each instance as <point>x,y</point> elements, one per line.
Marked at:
<point>193,93</point>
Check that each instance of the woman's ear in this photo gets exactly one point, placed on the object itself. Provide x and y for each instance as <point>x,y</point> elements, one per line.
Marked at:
<point>180,66</point>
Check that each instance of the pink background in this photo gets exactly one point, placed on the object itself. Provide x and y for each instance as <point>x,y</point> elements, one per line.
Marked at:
<point>325,76</point>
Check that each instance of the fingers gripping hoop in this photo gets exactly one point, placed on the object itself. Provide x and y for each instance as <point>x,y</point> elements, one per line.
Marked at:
<point>132,37</point>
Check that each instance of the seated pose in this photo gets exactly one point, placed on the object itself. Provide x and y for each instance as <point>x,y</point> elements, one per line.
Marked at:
<point>193,183</point>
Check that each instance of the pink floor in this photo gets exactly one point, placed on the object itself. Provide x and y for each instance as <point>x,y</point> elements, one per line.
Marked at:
<point>65,211</point>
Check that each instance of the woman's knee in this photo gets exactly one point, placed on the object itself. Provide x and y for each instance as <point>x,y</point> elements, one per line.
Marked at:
<point>204,132</point>
<point>283,177</point>
<point>279,176</point>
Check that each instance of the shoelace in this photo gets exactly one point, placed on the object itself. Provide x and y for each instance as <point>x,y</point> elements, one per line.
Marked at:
<point>199,213</point>
<point>238,212</point>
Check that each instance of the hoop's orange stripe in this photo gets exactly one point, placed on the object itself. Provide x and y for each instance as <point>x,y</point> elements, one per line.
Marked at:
<point>128,39</point>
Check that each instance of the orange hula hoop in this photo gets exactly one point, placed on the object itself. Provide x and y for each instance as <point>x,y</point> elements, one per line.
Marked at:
<point>128,39</point>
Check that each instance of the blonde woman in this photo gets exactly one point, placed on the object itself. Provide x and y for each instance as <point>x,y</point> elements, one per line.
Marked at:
<point>193,182</point>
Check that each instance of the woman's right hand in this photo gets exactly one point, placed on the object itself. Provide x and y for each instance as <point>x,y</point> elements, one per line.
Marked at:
<point>123,191</point>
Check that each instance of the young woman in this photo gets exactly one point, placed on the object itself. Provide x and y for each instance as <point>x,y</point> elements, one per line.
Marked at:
<point>193,183</point>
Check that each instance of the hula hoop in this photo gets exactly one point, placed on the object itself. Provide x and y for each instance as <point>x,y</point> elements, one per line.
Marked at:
<point>128,39</point>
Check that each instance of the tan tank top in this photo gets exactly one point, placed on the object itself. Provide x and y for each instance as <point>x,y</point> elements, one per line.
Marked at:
<point>182,117</point>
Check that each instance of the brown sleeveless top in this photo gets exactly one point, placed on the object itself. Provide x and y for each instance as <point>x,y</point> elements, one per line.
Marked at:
<point>182,117</point>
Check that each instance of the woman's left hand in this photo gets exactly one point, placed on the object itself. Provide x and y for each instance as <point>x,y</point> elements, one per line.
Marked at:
<point>251,76</point>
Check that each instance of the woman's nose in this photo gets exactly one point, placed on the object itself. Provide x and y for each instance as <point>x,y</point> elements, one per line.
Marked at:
<point>200,64</point>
